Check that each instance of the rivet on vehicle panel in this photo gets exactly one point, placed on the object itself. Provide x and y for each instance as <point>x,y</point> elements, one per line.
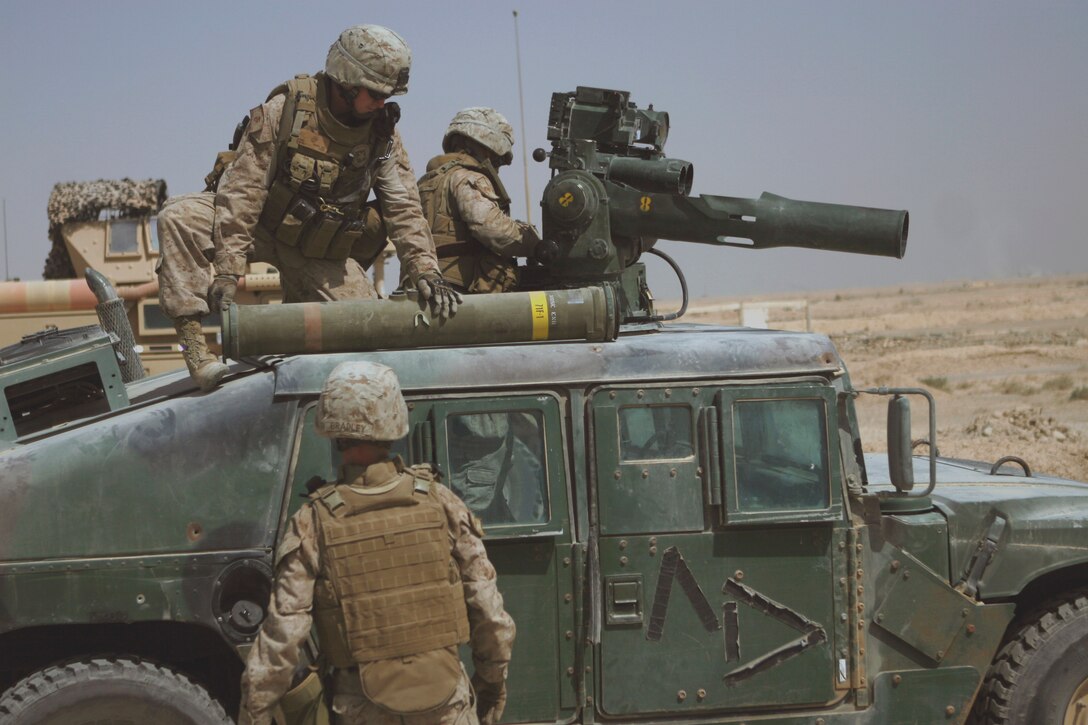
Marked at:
<point>896,679</point>
<point>963,612</point>
<point>861,625</point>
<point>668,393</point>
<point>645,473</point>
<point>616,475</point>
<point>623,561</point>
<point>588,668</point>
<point>567,597</point>
<point>411,406</point>
<point>861,590</point>
<point>570,670</point>
<point>653,540</point>
<point>589,699</point>
<point>566,561</point>
<point>819,721</point>
<point>623,543</point>
<point>672,473</point>
<point>694,391</point>
<point>641,393</point>
<point>140,599</point>
<point>699,472</point>
<point>842,617</point>
<point>861,607</point>
<point>569,634</point>
<point>906,574</point>
<point>738,575</point>
<point>842,544</point>
<point>950,711</point>
<point>895,565</point>
<point>653,550</point>
<point>940,654</point>
<point>970,629</point>
<point>682,695</point>
<point>880,617</point>
<point>842,581</point>
<point>858,548</point>
<point>842,652</point>
<point>859,573</point>
<point>861,650</point>
<point>701,693</point>
<point>612,395</point>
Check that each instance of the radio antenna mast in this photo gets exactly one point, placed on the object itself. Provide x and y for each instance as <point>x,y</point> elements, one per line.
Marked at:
<point>524,139</point>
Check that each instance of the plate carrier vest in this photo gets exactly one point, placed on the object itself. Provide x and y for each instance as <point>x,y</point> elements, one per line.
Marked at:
<point>389,586</point>
<point>461,259</point>
<point>323,172</point>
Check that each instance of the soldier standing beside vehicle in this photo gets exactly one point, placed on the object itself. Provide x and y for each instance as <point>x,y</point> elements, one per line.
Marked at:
<point>294,194</point>
<point>389,565</point>
<point>467,206</point>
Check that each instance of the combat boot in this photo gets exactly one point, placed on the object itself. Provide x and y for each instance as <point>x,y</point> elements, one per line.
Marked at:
<point>203,367</point>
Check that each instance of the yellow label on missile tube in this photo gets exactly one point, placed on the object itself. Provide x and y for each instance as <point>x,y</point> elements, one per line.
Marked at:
<point>538,302</point>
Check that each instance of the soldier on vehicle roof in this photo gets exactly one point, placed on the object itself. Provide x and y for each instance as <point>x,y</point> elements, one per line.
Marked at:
<point>293,192</point>
<point>467,206</point>
<point>389,565</point>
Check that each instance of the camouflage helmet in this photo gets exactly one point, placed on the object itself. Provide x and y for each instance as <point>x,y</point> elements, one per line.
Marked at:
<point>370,56</point>
<point>485,126</point>
<point>362,400</point>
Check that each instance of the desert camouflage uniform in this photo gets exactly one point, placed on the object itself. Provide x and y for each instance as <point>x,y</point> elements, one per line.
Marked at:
<point>275,655</point>
<point>223,227</point>
<point>481,219</point>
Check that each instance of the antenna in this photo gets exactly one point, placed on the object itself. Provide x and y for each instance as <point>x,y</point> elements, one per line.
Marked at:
<point>521,107</point>
<point>7,272</point>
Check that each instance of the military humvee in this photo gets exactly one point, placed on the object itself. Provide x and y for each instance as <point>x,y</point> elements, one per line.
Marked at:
<point>684,521</point>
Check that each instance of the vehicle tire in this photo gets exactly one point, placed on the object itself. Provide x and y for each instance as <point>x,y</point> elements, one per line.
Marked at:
<point>119,691</point>
<point>1040,676</point>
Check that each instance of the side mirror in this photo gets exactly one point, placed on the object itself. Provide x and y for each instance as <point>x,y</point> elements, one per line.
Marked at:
<point>900,462</point>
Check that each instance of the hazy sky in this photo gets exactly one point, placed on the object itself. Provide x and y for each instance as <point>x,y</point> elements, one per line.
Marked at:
<point>973,115</point>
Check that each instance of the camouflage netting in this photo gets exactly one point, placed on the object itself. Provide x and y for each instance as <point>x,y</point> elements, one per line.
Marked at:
<point>73,201</point>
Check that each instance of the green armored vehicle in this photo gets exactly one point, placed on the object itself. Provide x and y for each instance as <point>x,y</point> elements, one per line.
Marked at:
<point>684,522</point>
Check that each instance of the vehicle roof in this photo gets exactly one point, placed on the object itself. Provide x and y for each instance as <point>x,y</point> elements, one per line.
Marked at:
<point>675,352</point>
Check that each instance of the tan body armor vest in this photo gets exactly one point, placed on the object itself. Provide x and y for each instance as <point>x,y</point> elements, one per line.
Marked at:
<point>389,586</point>
<point>461,258</point>
<point>323,174</point>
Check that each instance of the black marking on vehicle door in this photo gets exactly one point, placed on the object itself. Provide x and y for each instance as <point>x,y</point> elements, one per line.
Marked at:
<point>674,567</point>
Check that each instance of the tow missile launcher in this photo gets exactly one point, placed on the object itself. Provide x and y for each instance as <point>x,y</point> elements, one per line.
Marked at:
<point>614,193</point>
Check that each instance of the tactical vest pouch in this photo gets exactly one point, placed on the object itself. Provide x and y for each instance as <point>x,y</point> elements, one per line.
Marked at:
<point>412,685</point>
<point>305,704</point>
<point>494,274</point>
<point>317,239</point>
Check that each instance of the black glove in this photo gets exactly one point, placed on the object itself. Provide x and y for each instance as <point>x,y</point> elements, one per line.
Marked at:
<point>442,296</point>
<point>490,700</point>
<point>221,293</point>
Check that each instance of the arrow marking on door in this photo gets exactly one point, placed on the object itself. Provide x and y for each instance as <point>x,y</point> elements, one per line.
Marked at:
<point>673,567</point>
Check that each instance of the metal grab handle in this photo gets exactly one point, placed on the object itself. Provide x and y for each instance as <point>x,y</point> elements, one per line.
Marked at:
<point>1011,459</point>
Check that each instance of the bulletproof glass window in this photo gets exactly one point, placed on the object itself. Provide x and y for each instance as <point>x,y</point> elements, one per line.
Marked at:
<point>124,237</point>
<point>153,234</point>
<point>781,458</point>
<point>655,432</point>
<point>497,465</point>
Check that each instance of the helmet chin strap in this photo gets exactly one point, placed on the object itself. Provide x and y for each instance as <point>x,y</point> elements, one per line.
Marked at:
<point>349,94</point>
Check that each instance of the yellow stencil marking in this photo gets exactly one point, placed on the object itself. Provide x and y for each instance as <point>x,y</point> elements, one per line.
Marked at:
<point>645,203</point>
<point>538,302</point>
<point>567,199</point>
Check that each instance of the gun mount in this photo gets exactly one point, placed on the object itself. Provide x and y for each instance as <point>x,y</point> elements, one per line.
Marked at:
<point>614,193</point>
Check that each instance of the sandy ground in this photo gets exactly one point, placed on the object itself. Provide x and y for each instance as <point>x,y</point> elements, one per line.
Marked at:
<point>1007,362</point>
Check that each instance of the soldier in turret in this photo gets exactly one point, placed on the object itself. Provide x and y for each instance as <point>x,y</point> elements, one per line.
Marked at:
<point>467,206</point>
<point>294,192</point>
<point>389,565</point>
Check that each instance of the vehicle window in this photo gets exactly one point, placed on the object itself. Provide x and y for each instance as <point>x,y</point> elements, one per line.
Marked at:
<point>123,236</point>
<point>153,228</point>
<point>781,454</point>
<point>497,465</point>
<point>655,432</point>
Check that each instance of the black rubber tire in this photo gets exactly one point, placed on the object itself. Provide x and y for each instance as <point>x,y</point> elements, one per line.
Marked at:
<point>115,690</point>
<point>1034,675</point>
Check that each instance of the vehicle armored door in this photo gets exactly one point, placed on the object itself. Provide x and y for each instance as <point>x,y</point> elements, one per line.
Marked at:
<point>504,457</point>
<point>717,509</point>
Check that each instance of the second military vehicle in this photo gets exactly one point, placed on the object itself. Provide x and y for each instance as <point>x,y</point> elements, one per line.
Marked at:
<point>684,521</point>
